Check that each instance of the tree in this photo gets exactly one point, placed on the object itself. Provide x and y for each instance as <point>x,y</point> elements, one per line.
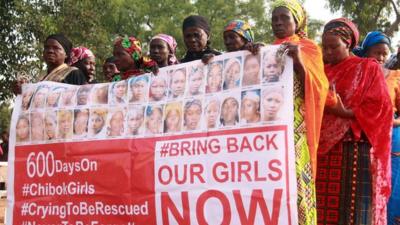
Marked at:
<point>370,15</point>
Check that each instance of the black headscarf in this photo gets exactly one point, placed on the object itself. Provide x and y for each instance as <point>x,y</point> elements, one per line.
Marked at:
<point>64,42</point>
<point>196,21</point>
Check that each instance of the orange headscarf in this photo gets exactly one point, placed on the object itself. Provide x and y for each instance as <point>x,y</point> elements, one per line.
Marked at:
<point>316,90</point>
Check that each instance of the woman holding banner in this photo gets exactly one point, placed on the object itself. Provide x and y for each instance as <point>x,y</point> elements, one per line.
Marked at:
<point>354,149</point>
<point>310,88</point>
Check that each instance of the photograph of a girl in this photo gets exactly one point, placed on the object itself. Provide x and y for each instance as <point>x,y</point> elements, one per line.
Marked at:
<point>100,94</point>
<point>214,77</point>
<point>272,102</point>
<point>22,129</point>
<point>173,117</point>
<point>177,83</point>
<point>54,96</point>
<point>37,126</point>
<point>26,98</point>
<point>135,120</point>
<point>192,115</point>
<point>81,120</point>
<point>229,112</point>
<point>98,117</point>
<point>196,80</point>
<point>250,107</point>
<point>118,92</point>
<point>67,97</point>
<point>273,66</point>
<point>65,121</point>
<point>115,127</point>
<point>158,88</point>
<point>38,100</point>
<point>211,113</point>
<point>232,71</point>
<point>83,95</point>
<point>251,70</point>
<point>154,115</point>
<point>139,87</point>
<point>50,125</point>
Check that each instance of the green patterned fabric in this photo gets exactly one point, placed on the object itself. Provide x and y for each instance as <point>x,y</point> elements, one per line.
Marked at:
<point>306,200</point>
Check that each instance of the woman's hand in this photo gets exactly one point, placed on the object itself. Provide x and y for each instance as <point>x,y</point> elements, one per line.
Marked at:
<point>254,48</point>
<point>293,51</point>
<point>207,58</point>
<point>339,109</point>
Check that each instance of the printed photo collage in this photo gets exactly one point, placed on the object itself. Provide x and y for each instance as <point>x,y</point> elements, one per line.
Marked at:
<point>234,90</point>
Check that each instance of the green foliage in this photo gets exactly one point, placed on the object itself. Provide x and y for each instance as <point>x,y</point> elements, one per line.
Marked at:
<point>371,14</point>
<point>5,116</point>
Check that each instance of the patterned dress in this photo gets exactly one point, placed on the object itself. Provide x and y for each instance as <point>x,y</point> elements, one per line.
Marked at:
<point>306,201</point>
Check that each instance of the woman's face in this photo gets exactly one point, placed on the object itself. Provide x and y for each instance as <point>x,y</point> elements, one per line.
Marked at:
<point>196,79</point>
<point>272,70</point>
<point>97,123</point>
<point>23,129</point>
<point>230,111</point>
<point>90,64</point>
<point>50,127</point>
<point>195,39</point>
<point>52,98</point>
<point>334,49</point>
<point>251,68</point>
<point>233,41</point>
<point>53,53</point>
<point>250,109</point>
<point>192,117</point>
<point>214,78</point>
<point>272,104</point>
<point>212,111</point>
<point>380,52</point>
<point>159,52</point>
<point>157,89</point>
<point>81,122</point>
<point>135,121</point>
<point>173,120</point>
<point>283,23</point>
<point>139,90</point>
<point>232,75</point>
<point>154,121</point>
<point>109,69</point>
<point>178,81</point>
<point>120,90</point>
<point>37,127</point>
<point>117,123</point>
<point>123,60</point>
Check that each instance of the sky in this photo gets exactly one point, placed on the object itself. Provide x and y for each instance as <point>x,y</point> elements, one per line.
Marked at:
<point>317,9</point>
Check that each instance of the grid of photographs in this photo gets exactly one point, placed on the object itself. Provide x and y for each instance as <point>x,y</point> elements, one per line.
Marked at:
<point>234,90</point>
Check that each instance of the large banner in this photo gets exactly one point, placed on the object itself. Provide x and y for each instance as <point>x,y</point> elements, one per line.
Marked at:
<point>194,144</point>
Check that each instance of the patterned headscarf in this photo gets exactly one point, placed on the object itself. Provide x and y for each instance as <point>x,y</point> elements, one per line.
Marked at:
<point>171,42</point>
<point>345,29</point>
<point>298,13</point>
<point>80,53</point>
<point>372,38</point>
<point>131,45</point>
<point>134,48</point>
<point>242,28</point>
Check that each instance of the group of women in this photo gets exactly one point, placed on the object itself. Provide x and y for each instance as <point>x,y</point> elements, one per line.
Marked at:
<point>345,105</point>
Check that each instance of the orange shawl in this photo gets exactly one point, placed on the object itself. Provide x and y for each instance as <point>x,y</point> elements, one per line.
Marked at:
<point>316,90</point>
<point>393,83</point>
